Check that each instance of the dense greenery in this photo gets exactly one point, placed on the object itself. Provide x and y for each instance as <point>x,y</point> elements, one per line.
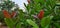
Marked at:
<point>39,14</point>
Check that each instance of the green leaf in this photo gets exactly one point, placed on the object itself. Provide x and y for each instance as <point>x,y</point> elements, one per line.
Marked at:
<point>47,26</point>
<point>9,22</point>
<point>36,1</point>
<point>32,23</point>
<point>18,25</point>
<point>46,21</point>
<point>57,25</point>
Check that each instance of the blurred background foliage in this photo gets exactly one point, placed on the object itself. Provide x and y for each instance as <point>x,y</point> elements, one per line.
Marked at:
<point>30,19</point>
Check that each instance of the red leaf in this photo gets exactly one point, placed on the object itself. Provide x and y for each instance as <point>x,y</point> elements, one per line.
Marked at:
<point>13,14</point>
<point>41,14</point>
<point>28,1</point>
<point>6,14</point>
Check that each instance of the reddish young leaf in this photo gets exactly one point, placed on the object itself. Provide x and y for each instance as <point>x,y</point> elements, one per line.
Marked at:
<point>41,14</point>
<point>13,14</point>
<point>6,14</point>
<point>28,1</point>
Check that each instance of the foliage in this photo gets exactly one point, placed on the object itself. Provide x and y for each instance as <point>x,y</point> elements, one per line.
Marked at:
<point>30,19</point>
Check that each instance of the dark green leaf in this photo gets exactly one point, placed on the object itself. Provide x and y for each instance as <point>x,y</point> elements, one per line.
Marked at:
<point>18,25</point>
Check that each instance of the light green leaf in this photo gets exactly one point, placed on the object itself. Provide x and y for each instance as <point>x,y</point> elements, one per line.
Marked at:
<point>32,23</point>
<point>46,21</point>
